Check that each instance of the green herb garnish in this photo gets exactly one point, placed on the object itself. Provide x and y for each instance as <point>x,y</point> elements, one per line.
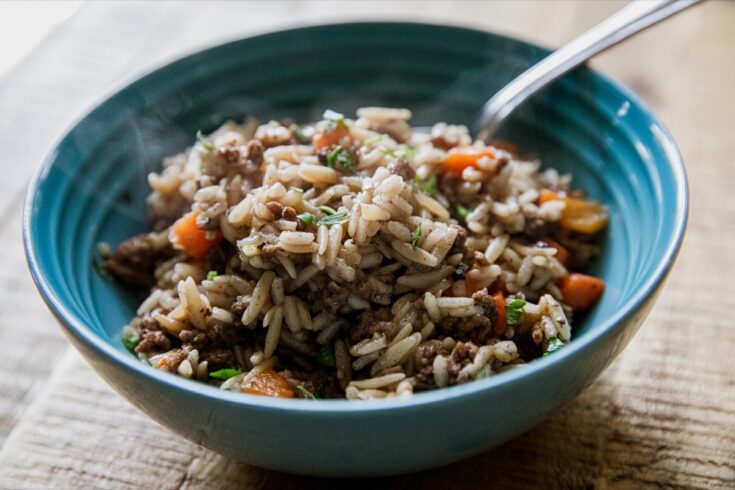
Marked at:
<point>307,218</point>
<point>306,392</point>
<point>462,211</point>
<point>407,151</point>
<point>339,157</point>
<point>211,275</point>
<point>130,343</point>
<point>374,140</point>
<point>206,144</point>
<point>326,357</point>
<point>554,345</point>
<point>335,219</point>
<point>428,186</point>
<point>514,311</point>
<point>226,373</point>
<point>387,152</point>
<point>298,132</point>
<point>334,119</point>
<point>296,189</point>
<point>416,236</point>
<point>327,210</point>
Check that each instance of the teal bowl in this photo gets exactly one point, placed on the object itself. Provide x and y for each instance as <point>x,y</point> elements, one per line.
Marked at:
<point>92,187</point>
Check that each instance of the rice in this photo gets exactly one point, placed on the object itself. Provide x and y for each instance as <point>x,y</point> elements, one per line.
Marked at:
<point>371,263</point>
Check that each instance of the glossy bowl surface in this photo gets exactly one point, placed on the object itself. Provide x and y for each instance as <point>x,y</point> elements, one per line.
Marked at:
<point>92,187</point>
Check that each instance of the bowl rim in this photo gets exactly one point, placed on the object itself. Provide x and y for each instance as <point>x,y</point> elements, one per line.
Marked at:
<point>608,327</point>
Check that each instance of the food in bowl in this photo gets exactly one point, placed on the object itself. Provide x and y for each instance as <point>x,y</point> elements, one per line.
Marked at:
<point>355,259</point>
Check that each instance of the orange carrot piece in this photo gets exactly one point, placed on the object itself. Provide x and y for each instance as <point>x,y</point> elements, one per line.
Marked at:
<point>545,195</point>
<point>562,254</point>
<point>583,216</point>
<point>330,138</point>
<point>269,383</point>
<point>457,160</point>
<point>581,292</point>
<point>502,322</point>
<point>580,215</point>
<point>191,239</point>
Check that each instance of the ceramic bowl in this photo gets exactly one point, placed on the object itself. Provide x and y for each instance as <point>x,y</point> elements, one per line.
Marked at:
<point>92,187</point>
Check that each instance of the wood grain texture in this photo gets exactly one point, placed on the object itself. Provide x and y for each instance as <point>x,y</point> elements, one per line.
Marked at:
<point>662,416</point>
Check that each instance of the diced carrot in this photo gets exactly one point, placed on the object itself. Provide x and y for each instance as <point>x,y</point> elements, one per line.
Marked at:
<point>269,383</point>
<point>191,239</point>
<point>330,138</point>
<point>562,254</point>
<point>545,195</point>
<point>581,292</point>
<point>583,216</point>
<point>459,159</point>
<point>580,215</point>
<point>502,322</point>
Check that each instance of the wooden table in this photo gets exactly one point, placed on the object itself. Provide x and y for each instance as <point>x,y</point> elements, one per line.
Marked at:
<point>662,416</point>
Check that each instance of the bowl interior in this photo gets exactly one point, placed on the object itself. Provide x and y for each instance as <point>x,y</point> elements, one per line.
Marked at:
<point>93,185</point>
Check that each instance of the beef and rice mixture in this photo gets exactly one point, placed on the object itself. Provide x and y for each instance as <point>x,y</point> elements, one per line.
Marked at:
<point>355,259</point>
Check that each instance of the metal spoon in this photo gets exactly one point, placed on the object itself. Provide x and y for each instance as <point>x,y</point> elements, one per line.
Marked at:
<point>631,19</point>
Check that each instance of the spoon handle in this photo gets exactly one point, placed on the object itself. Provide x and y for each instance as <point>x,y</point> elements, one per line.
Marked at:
<point>633,18</point>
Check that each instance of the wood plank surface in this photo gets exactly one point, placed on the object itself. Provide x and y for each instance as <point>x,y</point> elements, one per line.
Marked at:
<point>663,416</point>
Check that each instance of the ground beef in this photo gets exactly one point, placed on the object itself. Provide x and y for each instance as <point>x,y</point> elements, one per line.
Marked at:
<point>424,362</point>
<point>255,150</point>
<point>371,321</point>
<point>239,306</point>
<point>459,243</point>
<point>196,338</point>
<point>230,154</point>
<point>448,185</point>
<point>337,296</point>
<point>218,358</point>
<point>477,329</point>
<point>225,336</point>
<point>134,261</point>
<point>153,341</point>
<point>537,227</point>
<point>462,355</point>
<point>402,168</point>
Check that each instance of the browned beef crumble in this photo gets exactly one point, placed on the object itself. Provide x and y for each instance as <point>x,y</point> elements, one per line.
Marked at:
<point>153,341</point>
<point>134,260</point>
<point>402,168</point>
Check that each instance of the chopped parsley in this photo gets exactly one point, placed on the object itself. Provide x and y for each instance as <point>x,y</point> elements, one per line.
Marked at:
<point>325,357</point>
<point>226,373</point>
<point>296,189</point>
<point>462,211</point>
<point>374,140</point>
<point>335,219</point>
<point>514,310</point>
<point>307,393</point>
<point>334,119</point>
<point>206,144</point>
<point>130,342</point>
<point>416,236</point>
<point>407,151</point>
<point>387,152</point>
<point>307,218</point>
<point>298,132</point>
<point>211,275</point>
<point>554,345</point>
<point>428,186</point>
<point>339,157</point>
<point>327,210</point>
